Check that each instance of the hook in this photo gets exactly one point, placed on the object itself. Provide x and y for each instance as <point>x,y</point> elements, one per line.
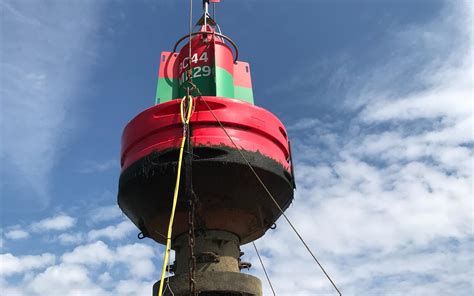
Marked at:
<point>141,235</point>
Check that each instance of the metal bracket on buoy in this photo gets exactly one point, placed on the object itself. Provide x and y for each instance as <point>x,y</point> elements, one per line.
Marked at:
<point>207,257</point>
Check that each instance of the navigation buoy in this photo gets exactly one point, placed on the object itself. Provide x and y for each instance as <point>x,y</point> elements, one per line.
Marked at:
<point>206,127</point>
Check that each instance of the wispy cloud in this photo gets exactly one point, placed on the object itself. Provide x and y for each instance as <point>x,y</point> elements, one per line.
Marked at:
<point>92,254</point>
<point>90,268</point>
<point>70,238</point>
<point>112,232</point>
<point>56,223</point>
<point>99,166</point>
<point>136,256</point>
<point>384,194</point>
<point>13,265</point>
<point>105,213</point>
<point>385,190</point>
<point>63,279</point>
<point>75,272</point>
<point>46,51</point>
<point>15,234</point>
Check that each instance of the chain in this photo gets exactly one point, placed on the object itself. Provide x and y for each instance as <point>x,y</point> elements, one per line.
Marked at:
<point>192,199</point>
<point>191,203</point>
<point>191,243</point>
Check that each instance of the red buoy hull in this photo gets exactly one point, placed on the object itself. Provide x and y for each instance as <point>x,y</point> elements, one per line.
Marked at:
<point>230,197</point>
<point>251,127</point>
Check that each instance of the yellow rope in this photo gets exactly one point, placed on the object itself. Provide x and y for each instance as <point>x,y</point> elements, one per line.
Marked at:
<point>185,121</point>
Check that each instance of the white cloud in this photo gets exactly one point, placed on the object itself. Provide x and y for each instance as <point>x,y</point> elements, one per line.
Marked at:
<point>134,287</point>
<point>92,254</point>
<point>39,88</point>
<point>105,278</point>
<point>70,238</point>
<point>74,277</point>
<point>9,290</point>
<point>10,264</point>
<point>65,279</point>
<point>117,232</point>
<point>99,166</point>
<point>385,197</point>
<point>59,222</point>
<point>138,257</point>
<point>105,213</point>
<point>15,234</point>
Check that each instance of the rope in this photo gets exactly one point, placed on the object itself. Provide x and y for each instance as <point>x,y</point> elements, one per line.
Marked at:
<point>272,197</point>
<point>185,116</point>
<point>214,11</point>
<point>190,73</point>
<point>168,286</point>
<point>263,266</point>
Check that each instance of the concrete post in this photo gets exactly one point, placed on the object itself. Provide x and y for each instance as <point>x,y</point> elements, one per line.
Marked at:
<point>218,267</point>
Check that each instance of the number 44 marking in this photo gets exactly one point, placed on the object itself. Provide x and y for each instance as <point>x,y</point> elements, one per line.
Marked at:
<point>194,59</point>
<point>203,57</point>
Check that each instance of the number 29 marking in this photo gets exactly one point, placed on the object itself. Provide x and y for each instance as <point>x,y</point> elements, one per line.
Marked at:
<point>203,71</point>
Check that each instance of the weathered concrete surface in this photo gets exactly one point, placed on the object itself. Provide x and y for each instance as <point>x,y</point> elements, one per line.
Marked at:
<point>220,283</point>
<point>217,267</point>
<point>224,245</point>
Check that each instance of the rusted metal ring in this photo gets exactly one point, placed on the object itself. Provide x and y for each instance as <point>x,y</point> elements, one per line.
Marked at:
<point>210,33</point>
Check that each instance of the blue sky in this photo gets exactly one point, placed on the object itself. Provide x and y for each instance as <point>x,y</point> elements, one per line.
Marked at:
<point>377,97</point>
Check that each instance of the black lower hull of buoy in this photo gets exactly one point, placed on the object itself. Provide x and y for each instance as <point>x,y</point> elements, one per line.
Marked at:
<point>229,195</point>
